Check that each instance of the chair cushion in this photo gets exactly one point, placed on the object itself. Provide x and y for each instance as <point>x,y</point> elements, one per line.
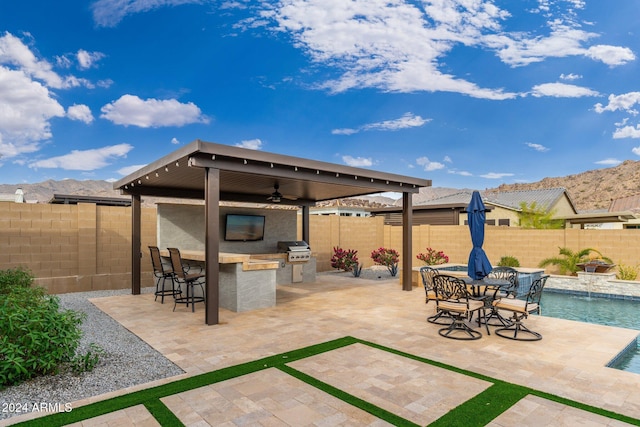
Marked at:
<point>460,307</point>
<point>513,304</point>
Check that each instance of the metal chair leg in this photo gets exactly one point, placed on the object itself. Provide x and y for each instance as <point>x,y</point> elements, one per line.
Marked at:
<point>517,327</point>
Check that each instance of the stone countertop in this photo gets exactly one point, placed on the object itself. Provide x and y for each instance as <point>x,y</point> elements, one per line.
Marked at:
<point>250,262</point>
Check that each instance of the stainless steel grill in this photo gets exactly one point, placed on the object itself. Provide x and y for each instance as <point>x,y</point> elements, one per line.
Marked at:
<point>296,250</point>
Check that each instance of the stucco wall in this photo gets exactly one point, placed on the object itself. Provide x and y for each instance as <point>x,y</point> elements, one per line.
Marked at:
<point>183,226</point>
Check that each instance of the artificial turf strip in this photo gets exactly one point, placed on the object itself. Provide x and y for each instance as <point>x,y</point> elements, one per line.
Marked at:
<point>374,410</point>
<point>481,409</point>
<point>525,390</point>
<point>162,414</point>
<point>500,391</point>
<point>154,393</point>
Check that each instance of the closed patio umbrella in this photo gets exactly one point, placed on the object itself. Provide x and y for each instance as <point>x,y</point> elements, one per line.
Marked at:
<point>479,265</point>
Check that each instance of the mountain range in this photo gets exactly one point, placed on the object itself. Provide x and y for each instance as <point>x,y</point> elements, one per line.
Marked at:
<point>590,190</point>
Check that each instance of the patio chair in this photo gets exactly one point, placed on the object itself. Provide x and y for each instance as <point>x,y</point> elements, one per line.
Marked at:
<point>162,272</point>
<point>427,274</point>
<point>521,309</point>
<point>494,293</point>
<point>190,280</point>
<point>453,298</point>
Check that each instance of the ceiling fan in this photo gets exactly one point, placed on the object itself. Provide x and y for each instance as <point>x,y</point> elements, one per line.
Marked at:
<point>276,196</point>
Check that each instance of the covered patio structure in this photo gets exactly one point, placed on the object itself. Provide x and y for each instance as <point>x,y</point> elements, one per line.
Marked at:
<point>214,172</point>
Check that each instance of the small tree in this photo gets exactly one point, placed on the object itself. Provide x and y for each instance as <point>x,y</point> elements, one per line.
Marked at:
<point>534,216</point>
<point>387,257</point>
<point>568,260</point>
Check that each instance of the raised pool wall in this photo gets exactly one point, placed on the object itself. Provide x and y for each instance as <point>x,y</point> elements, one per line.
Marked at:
<point>603,284</point>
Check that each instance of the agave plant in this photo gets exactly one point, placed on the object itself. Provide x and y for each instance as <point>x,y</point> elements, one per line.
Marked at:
<point>568,260</point>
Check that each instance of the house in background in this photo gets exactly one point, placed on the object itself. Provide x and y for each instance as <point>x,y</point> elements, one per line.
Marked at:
<point>17,197</point>
<point>622,213</point>
<point>502,207</point>
<point>340,211</point>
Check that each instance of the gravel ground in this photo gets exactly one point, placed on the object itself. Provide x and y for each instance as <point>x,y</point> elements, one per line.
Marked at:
<point>376,272</point>
<point>127,361</point>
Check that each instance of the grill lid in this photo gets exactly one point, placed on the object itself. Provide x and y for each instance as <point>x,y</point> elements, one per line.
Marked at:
<point>293,245</point>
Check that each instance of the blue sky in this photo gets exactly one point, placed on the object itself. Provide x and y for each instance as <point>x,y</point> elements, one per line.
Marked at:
<point>467,93</point>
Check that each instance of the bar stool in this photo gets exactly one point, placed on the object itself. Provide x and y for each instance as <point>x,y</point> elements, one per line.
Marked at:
<point>161,271</point>
<point>181,276</point>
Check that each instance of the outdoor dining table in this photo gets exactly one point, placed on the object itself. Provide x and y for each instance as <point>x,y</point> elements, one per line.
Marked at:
<point>478,290</point>
<point>478,287</point>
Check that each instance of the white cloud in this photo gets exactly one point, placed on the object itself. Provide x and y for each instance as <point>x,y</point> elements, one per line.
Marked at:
<point>390,45</point>
<point>344,131</point>
<point>636,151</point>
<point>87,59</point>
<point>80,112</point>
<point>357,161</point>
<point>131,110</point>
<point>401,46</point>
<point>627,132</point>
<point>611,55</point>
<point>461,173</point>
<point>175,141</point>
<point>85,160</point>
<point>570,76</point>
<point>564,39</point>
<point>253,144</point>
<point>562,90</point>
<point>26,108</point>
<point>625,102</point>
<point>108,13</point>
<point>130,169</point>
<point>428,165</point>
<point>447,159</point>
<point>537,147</point>
<point>608,162</point>
<point>14,52</point>
<point>408,120</point>
<point>496,175</point>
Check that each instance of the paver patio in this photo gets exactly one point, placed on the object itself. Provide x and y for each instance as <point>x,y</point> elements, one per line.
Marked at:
<point>569,361</point>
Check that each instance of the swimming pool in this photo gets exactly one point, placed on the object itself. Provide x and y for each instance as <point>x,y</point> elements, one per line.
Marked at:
<point>602,311</point>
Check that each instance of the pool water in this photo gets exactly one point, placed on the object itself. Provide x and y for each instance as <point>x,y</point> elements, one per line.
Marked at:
<point>602,311</point>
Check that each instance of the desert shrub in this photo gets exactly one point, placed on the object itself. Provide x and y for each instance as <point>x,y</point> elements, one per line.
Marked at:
<point>12,278</point>
<point>387,257</point>
<point>509,261</point>
<point>433,257</point>
<point>344,260</point>
<point>627,272</point>
<point>87,361</point>
<point>35,336</point>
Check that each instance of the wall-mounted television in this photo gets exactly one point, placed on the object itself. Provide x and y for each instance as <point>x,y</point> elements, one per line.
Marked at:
<point>243,228</point>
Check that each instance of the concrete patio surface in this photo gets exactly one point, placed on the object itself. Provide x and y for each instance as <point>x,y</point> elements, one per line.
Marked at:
<point>569,361</point>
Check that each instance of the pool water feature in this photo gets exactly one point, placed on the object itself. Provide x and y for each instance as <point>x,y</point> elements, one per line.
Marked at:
<point>622,313</point>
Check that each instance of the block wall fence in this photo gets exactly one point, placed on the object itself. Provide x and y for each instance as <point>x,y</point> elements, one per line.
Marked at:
<point>72,248</point>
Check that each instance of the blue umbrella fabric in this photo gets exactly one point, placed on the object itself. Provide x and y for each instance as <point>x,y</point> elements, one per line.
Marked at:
<point>478,266</point>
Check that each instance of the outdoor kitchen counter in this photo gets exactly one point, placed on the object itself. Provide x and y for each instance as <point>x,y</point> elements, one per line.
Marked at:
<point>249,262</point>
